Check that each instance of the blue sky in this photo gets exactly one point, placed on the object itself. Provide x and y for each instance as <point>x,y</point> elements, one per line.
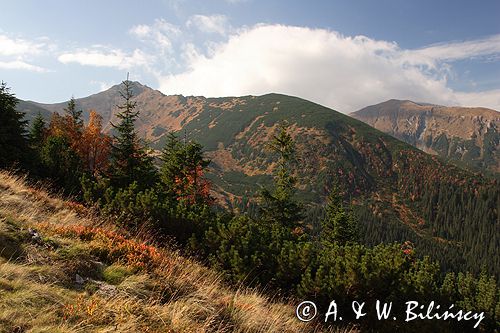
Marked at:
<point>343,54</point>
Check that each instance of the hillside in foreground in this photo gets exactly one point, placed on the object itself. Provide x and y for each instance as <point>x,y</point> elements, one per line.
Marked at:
<point>63,271</point>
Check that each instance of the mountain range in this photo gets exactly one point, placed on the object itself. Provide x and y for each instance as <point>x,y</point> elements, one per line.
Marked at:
<point>467,136</point>
<point>398,191</point>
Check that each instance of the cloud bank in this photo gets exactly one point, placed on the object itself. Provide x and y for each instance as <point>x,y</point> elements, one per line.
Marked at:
<point>342,72</point>
<point>15,51</point>
<point>114,58</point>
<point>22,65</point>
<point>159,34</point>
<point>207,56</point>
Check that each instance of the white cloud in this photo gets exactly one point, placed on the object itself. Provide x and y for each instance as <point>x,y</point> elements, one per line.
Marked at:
<point>18,47</point>
<point>107,58</point>
<point>488,99</point>
<point>462,50</point>
<point>345,73</point>
<point>209,24</point>
<point>19,64</point>
<point>159,34</point>
<point>102,85</point>
<point>17,53</point>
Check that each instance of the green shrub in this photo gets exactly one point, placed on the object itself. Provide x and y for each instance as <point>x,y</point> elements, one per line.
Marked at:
<point>115,274</point>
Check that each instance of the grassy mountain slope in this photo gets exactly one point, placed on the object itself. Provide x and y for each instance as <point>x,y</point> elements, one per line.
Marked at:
<point>469,136</point>
<point>234,132</point>
<point>61,270</point>
<point>31,109</point>
<point>152,103</point>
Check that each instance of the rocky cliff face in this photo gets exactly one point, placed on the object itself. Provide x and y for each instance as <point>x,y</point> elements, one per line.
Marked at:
<point>468,136</point>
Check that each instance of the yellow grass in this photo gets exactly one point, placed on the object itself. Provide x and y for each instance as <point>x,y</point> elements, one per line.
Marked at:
<point>129,286</point>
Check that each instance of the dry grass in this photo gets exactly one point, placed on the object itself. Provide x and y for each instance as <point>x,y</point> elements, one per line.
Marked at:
<point>128,285</point>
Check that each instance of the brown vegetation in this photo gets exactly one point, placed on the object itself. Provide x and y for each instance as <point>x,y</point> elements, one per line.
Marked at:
<point>62,270</point>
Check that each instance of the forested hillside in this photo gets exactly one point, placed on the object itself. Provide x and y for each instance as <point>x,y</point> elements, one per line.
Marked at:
<point>340,210</point>
<point>400,193</point>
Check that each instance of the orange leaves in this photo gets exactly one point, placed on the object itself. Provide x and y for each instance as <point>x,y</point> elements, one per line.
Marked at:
<point>408,248</point>
<point>89,142</point>
<point>194,187</point>
<point>94,147</point>
<point>80,308</point>
<point>117,247</point>
<point>63,126</point>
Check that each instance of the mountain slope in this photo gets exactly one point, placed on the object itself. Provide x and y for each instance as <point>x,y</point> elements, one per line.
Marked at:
<point>103,102</point>
<point>400,192</point>
<point>467,135</point>
<point>32,109</point>
<point>234,131</point>
<point>76,274</point>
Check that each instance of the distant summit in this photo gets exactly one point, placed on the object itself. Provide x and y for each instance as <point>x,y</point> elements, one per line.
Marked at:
<point>467,136</point>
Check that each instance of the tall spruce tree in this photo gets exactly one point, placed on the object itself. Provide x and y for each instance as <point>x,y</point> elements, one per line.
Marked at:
<point>76,115</point>
<point>37,132</point>
<point>339,226</point>
<point>13,141</point>
<point>280,205</point>
<point>61,163</point>
<point>37,136</point>
<point>173,159</point>
<point>130,161</point>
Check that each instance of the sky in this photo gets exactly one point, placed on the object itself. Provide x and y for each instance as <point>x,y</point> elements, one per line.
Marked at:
<point>342,54</point>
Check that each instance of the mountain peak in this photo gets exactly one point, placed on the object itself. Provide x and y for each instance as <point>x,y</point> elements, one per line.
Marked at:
<point>465,135</point>
<point>137,88</point>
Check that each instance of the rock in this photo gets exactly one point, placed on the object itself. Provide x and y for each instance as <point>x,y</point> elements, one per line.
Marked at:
<point>79,279</point>
<point>35,236</point>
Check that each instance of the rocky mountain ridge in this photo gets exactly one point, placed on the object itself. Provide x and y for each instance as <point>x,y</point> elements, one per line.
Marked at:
<point>469,136</point>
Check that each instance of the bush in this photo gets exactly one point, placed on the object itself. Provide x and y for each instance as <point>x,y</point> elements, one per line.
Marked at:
<point>115,274</point>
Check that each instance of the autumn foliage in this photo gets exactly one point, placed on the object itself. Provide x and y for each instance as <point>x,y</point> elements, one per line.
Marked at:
<point>94,146</point>
<point>88,142</point>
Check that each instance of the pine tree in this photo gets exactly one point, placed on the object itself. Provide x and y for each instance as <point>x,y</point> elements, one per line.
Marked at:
<point>37,132</point>
<point>183,168</point>
<point>280,205</point>
<point>173,159</point>
<point>130,161</point>
<point>339,226</point>
<point>13,143</point>
<point>76,115</point>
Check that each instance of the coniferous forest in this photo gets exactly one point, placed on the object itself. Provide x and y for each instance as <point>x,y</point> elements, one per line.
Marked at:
<point>279,243</point>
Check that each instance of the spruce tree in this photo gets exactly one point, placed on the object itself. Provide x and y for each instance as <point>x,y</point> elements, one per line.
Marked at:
<point>13,143</point>
<point>339,226</point>
<point>130,161</point>
<point>76,115</point>
<point>61,163</point>
<point>280,205</point>
<point>173,159</point>
<point>182,170</point>
<point>37,138</point>
<point>37,132</point>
